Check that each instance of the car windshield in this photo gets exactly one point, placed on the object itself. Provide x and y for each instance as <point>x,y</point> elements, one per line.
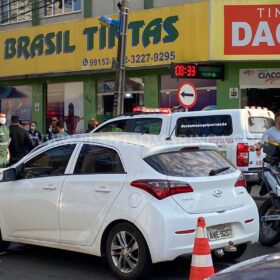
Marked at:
<point>190,163</point>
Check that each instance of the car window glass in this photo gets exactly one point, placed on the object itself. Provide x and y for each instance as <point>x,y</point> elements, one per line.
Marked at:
<point>52,162</point>
<point>98,160</point>
<point>147,125</point>
<point>214,125</point>
<point>116,126</point>
<point>259,124</point>
<point>189,164</point>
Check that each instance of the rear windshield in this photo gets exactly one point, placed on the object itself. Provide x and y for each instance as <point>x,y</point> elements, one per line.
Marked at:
<point>214,125</point>
<point>190,164</point>
<point>259,124</point>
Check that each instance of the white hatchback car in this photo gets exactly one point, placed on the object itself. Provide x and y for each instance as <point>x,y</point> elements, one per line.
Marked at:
<point>132,198</point>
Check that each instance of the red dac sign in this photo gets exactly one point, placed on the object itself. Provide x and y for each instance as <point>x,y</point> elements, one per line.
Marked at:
<point>252,29</point>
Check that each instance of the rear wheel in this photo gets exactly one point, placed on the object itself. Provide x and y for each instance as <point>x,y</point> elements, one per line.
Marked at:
<point>269,230</point>
<point>127,252</point>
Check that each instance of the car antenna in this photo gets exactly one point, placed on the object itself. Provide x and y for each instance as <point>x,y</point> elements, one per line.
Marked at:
<point>169,137</point>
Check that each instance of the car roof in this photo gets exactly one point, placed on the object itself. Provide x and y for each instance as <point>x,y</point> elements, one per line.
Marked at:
<point>251,111</point>
<point>144,140</point>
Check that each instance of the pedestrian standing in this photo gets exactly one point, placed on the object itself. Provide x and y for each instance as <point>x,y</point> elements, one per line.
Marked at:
<point>20,143</point>
<point>4,141</point>
<point>92,124</point>
<point>34,134</point>
<point>52,129</point>
<point>60,130</point>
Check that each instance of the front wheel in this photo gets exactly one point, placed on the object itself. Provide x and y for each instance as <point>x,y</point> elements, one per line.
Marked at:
<point>127,252</point>
<point>268,236</point>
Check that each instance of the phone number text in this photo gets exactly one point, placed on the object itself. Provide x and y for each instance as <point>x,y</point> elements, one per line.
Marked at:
<point>132,59</point>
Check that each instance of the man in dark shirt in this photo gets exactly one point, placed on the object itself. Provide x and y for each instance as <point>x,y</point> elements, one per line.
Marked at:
<point>20,143</point>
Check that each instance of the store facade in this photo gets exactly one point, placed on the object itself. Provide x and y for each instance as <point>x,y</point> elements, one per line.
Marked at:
<point>65,69</point>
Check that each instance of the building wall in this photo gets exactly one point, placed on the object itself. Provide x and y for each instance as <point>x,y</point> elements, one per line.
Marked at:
<point>166,3</point>
<point>232,81</point>
<point>94,8</point>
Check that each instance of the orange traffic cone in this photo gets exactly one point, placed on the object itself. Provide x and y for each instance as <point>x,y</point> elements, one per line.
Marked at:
<point>202,265</point>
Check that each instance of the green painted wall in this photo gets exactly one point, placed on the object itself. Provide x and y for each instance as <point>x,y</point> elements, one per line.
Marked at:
<point>232,81</point>
<point>35,13</point>
<point>151,91</point>
<point>90,100</point>
<point>87,8</point>
<point>148,4</point>
<point>39,105</point>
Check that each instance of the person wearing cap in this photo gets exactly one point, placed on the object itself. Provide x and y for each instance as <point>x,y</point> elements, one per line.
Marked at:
<point>92,124</point>
<point>4,141</point>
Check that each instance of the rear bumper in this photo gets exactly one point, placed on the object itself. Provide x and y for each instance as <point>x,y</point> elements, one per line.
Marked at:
<point>165,244</point>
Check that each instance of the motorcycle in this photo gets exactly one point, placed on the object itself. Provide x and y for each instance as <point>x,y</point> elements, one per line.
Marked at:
<point>269,211</point>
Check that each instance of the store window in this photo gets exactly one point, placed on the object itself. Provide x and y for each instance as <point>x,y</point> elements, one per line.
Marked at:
<point>12,11</point>
<point>134,96</point>
<point>206,92</point>
<point>65,101</point>
<point>17,101</point>
<point>60,7</point>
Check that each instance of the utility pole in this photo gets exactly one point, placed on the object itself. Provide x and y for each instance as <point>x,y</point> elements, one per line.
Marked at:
<point>118,106</point>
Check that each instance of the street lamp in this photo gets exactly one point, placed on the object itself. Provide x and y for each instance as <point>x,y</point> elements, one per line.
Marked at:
<point>119,64</point>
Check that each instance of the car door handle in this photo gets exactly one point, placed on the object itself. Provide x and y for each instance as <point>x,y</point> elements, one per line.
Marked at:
<point>49,188</point>
<point>103,190</point>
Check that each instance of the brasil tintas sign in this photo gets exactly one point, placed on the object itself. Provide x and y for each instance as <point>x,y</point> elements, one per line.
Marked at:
<point>154,37</point>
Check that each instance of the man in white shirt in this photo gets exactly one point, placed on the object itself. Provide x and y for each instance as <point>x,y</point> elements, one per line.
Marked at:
<point>272,134</point>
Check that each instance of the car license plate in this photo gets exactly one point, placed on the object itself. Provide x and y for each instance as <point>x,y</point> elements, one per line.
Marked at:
<point>219,232</point>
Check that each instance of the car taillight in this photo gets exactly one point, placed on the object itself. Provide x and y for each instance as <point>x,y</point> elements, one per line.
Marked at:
<point>242,154</point>
<point>161,189</point>
<point>241,182</point>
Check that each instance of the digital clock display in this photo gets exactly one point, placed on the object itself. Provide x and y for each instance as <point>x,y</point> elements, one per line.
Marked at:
<point>185,70</point>
<point>197,71</point>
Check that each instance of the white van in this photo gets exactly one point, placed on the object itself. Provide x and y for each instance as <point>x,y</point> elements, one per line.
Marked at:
<point>233,130</point>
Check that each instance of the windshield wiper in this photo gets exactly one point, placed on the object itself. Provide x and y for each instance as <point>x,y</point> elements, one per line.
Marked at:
<point>217,171</point>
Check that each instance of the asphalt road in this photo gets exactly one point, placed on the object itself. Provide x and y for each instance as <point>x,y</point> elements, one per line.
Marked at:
<point>26,262</point>
<point>33,263</point>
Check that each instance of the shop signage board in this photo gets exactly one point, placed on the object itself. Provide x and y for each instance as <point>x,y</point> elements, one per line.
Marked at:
<point>259,78</point>
<point>154,37</point>
<point>245,30</point>
<point>187,95</point>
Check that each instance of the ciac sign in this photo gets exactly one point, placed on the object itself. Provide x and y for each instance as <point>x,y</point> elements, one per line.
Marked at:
<point>252,29</point>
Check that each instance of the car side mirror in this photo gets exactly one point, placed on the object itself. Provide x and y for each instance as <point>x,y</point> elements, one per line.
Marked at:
<point>9,174</point>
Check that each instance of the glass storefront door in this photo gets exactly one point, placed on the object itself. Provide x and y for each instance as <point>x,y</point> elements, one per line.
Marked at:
<point>65,101</point>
